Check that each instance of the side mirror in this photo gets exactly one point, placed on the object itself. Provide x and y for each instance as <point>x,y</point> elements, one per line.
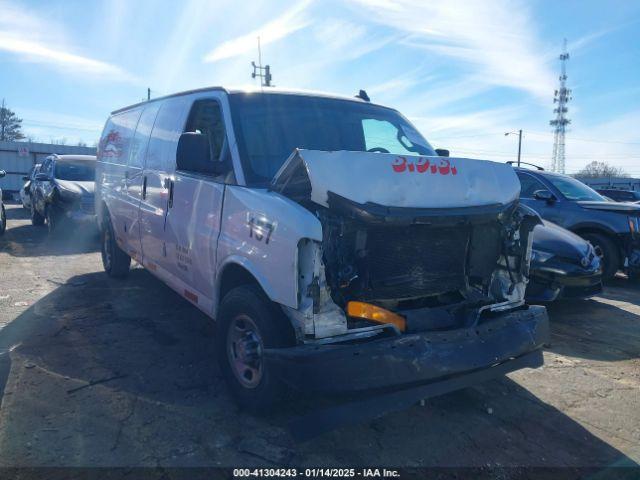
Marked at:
<point>442,152</point>
<point>42,177</point>
<point>26,179</point>
<point>194,155</point>
<point>2,173</point>
<point>545,195</point>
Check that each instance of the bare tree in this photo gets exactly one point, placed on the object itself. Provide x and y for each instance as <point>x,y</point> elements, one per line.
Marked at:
<point>601,169</point>
<point>10,125</point>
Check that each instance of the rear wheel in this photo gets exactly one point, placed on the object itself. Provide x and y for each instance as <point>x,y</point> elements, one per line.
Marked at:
<point>608,251</point>
<point>247,323</point>
<point>3,219</point>
<point>36,218</point>
<point>115,261</point>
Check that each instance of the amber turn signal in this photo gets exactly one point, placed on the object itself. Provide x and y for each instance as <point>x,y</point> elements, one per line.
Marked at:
<point>375,314</point>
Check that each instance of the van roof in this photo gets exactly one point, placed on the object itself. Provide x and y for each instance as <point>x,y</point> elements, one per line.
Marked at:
<point>75,158</point>
<point>257,90</point>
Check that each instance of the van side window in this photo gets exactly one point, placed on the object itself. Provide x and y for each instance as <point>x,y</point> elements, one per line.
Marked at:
<point>206,117</point>
<point>141,137</point>
<point>161,152</point>
<point>116,140</point>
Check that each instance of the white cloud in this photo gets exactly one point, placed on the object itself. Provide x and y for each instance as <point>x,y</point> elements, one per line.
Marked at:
<point>289,22</point>
<point>496,39</point>
<point>33,51</point>
<point>32,39</point>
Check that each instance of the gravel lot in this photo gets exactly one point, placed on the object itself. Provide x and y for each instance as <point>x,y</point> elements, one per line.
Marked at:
<point>97,372</point>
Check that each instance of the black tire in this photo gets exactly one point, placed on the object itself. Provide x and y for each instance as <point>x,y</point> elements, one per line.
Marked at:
<point>610,254</point>
<point>36,218</point>
<point>3,219</point>
<point>54,220</point>
<point>115,261</point>
<point>245,309</point>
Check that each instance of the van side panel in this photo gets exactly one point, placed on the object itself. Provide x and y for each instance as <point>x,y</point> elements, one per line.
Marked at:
<point>135,177</point>
<point>113,154</point>
<point>261,230</point>
<point>160,166</point>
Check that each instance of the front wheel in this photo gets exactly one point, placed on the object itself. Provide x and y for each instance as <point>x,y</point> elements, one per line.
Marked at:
<point>609,254</point>
<point>115,261</point>
<point>36,218</point>
<point>54,220</point>
<point>248,322</point>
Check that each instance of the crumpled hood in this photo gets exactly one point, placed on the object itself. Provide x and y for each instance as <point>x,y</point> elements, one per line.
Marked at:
<point>77,187</point>
<point>552,238</point>
<point>622,207</point>
<point>401,180</point>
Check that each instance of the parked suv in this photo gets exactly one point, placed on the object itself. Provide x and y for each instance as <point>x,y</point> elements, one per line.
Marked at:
<point>613,228</point>
<point>336,251</point>
<point>620,195</point>
<point>63,191</point>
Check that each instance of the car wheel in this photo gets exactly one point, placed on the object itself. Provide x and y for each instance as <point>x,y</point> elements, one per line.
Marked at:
<point>609,254</point>
<point>248,322</point>
<point>3,219</point>
<point>36,218</point>
<point>115,261</point>
<point>53,220</point>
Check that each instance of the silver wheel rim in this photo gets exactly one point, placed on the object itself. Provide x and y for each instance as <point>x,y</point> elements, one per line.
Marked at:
<point>244,351</point>
<point>106,249</point>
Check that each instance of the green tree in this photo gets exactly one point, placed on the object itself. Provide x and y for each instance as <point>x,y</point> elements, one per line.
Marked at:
<point>10,125</point>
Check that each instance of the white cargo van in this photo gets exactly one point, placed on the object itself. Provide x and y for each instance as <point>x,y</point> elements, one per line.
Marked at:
<point>336,250</point>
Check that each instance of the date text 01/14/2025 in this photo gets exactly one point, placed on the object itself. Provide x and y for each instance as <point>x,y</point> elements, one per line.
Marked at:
<point>316,473</point>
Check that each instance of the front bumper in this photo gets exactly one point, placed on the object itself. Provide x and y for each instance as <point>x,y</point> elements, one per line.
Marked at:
<point>563,280</point>
<point>412,360</point>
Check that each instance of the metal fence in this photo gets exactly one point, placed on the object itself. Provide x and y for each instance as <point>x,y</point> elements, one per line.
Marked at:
<point>17,158</point>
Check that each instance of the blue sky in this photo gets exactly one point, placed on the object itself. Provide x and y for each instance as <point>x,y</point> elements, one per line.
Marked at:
<point>464,72</point>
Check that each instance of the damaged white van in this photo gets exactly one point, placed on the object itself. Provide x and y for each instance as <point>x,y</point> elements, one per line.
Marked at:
<point>336,250</point>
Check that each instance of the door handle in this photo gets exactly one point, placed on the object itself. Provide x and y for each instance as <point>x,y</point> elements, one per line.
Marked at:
<point>171,193</point>
<point>144,188</point>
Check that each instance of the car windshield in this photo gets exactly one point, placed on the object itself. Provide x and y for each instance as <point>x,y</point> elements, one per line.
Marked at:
<point>574,189</point>
<point>269,127</point>
<point>83,171</point>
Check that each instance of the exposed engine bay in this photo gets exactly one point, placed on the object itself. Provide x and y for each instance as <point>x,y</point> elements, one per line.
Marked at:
<point>407,268</point>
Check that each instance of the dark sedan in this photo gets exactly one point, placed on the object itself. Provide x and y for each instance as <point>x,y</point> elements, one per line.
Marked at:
<point>563,265</point>
<point>613,228</point>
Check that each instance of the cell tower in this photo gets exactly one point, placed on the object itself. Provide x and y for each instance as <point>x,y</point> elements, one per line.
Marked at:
<point>561,97</point>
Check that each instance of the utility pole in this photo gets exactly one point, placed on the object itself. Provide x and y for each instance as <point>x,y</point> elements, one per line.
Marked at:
<point>259,71</point>
<point>148,94</point>
<point>561,97</point>
<point>519,142</point>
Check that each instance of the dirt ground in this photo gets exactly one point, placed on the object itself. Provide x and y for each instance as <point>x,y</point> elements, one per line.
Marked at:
<point>98,372</point>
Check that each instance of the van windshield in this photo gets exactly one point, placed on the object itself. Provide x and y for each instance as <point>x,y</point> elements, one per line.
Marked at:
<point>269,127</point>
<point>84,171</point>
